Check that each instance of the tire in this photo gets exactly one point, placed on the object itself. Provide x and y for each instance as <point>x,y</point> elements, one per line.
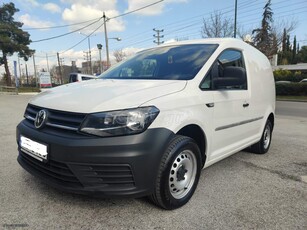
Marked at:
<point>178,174</point>
<point>264,144</point>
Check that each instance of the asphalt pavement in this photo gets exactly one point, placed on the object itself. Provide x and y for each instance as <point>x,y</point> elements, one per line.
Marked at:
<point>244,191</point>
<point>291,108</point>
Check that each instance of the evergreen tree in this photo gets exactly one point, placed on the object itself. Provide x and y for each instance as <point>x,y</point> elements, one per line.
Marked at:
<point>302,54</point>
<point>264,38</point>
<point>12,38</point>
<point>294,61</point>
<point>284,39</point>
<point>288,48</point>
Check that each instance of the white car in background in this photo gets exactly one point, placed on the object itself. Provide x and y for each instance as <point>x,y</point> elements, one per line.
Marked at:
<point>78,77</point>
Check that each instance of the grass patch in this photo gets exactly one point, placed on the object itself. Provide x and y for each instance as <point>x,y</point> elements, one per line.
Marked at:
<point>28,90</point>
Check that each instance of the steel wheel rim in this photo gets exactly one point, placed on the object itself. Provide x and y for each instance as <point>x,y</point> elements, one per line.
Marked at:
<point>266,137</point>
<point>182,174</point>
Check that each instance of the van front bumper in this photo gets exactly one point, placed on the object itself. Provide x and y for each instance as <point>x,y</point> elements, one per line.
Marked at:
<point>107,167</point>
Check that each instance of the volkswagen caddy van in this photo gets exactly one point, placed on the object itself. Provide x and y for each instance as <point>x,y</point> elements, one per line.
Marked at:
<point>147,126</point>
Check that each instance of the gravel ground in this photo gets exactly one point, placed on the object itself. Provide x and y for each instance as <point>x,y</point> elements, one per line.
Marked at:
<point>244,191</point>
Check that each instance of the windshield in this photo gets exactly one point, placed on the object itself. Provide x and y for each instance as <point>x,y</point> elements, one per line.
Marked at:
<point>169,63</point>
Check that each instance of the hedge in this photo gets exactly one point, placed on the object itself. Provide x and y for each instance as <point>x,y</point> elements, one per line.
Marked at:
<point>291,89</point>
<point>286,75</point>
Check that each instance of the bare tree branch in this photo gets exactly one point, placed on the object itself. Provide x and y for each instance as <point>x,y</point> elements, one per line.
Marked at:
<point>217,26</point>
<point>119,55</point>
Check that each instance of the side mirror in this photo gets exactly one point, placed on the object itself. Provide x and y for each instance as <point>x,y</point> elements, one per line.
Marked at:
<point>232,76</point>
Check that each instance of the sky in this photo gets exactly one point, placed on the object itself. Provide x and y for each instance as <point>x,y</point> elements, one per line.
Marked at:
<point>71,21</point>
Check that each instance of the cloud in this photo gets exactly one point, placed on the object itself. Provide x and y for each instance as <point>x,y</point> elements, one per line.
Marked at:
<point>52,7</point>
<point>32,2</point>
<point>152,10</point>
<point>79,12</point>
<point>49,6</point>
<point>27,20</point>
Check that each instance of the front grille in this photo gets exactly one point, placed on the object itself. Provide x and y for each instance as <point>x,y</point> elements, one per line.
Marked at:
<point>56,119</point>
<point>53,170</point>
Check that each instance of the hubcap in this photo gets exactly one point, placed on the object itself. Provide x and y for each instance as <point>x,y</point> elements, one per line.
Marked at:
<point>182,174</point>
<point>266,137</point>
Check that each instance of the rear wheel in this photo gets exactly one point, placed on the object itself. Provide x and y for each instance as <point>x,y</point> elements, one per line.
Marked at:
<point>263,145</point>
<point>178,174</point>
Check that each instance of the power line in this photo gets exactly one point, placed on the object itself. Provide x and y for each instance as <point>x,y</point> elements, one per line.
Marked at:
<point>83,22</point>
<point>133,11</point>
<point>188,24</point>
<point>83,38</point>
<point>62,35</point>
<point>74,31</point>
<point>59,26</point>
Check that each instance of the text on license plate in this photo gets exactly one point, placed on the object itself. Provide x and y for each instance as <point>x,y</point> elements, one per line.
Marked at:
<point>33,148</point>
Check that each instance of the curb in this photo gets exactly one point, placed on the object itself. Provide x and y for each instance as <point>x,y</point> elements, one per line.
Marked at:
<point>34,93</point>
<point>291,100</point>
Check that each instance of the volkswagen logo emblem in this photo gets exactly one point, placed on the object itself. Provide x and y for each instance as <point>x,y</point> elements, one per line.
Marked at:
<point>40,119</point>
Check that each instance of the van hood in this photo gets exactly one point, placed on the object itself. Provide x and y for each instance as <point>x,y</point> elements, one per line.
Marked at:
<point>100,95</point>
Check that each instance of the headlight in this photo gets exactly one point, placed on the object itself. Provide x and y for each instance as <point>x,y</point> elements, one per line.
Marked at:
<point>121,122</point>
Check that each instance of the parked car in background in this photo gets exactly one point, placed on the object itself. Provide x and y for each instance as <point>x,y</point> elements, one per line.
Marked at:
<point>282,82</point>
<point>78,77</point>
<point>304,80</point>
<point>147,126</point>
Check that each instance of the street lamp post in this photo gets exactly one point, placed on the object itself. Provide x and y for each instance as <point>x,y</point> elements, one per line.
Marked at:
<point>99,46</point>
<point>105,19</point>
<point>107,51</point>
<point>89,50</point>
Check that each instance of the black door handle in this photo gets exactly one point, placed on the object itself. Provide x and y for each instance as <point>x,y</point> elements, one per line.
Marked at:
<point>210,105</point>
<point>245,105</point>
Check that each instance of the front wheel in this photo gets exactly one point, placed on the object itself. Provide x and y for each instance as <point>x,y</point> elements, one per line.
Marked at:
<point>178,173</point>
<point>263,145</point>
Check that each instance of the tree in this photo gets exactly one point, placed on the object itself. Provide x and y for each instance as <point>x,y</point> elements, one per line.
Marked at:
<point>281,29</point>
<point>217,26</point>
<point>284,39</point>
<point>119,55</point>
<point>294,51</point>
<point>302,54</point>
<point>12,38</point>
<point>265,40</point>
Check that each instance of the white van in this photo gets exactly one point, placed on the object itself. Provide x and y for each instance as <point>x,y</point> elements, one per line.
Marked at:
<point>78,77</point>
<point>149,125</point>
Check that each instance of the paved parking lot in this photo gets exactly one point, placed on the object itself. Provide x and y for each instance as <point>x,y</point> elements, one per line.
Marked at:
<point>244,191</point>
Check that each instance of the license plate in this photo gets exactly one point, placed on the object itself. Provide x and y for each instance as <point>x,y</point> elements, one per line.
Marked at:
<point>33,148</point>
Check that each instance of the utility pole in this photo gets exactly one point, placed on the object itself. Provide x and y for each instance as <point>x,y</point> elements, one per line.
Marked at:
<point>60,71</point>
<point>89,53</point>
<point>35,70</point>
<point>27,74</point>
<point>19,68</point>
<point>235,25</point>
<point>87,62</point>
<point>47,62</point>
<point>158,36</point>
<point>106,38</point>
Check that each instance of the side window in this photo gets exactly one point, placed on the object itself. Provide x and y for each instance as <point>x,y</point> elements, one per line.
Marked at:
<point>227,72</point>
